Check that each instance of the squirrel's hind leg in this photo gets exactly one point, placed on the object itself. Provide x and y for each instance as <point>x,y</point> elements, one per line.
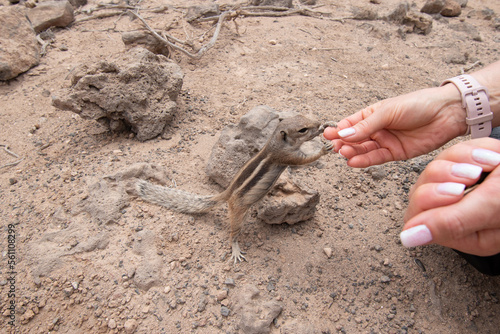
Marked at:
<point>237,213</point>
<point>237,253</point>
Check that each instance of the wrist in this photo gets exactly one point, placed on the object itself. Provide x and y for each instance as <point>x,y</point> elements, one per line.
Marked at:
<point>452,107</point>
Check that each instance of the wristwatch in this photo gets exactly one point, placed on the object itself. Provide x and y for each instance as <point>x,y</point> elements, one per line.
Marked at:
<point>475,101</point>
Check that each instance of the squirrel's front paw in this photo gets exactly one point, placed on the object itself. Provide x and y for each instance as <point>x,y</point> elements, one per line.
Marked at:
<point>328,124</point>
<point>327,147</point>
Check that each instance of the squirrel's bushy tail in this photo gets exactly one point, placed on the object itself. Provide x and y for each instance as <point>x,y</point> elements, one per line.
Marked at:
<point>174,199</point>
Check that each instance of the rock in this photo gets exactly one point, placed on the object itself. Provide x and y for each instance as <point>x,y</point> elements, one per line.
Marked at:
<point>144,39</point>
<point>462,3</point>
<point>433,6</point>
<point>376,172</point>
<point>385,279</point>
<point>112,323</point>
<point>274,3</point>
<point>224,311</point>
<point>136,90</point>
<point>456,57</point>
<point>130,326</point>
<point>229,281</point>
<point>221,295</point>
<point>328,252</point>
<point>288,202</point>
<point>51,14</point>
<point>419,23</point>
<point>451,9</point>
<point>196,12</point>
<point>19,49</point>
<point>28,315</point>
<point>256,314</point>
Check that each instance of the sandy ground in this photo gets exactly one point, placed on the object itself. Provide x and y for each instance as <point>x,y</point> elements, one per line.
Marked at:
<point>322,68</point>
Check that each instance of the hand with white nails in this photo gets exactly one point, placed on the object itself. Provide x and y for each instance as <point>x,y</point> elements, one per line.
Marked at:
<point>417,123</point>
<point>438,211</point>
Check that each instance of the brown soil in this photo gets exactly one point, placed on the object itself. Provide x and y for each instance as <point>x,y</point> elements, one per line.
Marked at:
<point>322,68</point>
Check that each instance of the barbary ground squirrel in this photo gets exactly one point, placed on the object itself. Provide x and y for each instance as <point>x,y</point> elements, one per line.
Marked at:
<point>253,180</point>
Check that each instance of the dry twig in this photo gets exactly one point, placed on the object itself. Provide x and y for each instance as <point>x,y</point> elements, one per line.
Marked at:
<point>6,148</point>
<point>43,44</point>
<point>200,52</point>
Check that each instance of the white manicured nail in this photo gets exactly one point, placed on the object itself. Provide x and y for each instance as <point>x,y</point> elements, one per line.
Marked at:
<point>416,236</point>
<point>451,188</point>
<point>340,152</point>
<point>346,132</point>
<point>486,156</point>
<point>466,170</point>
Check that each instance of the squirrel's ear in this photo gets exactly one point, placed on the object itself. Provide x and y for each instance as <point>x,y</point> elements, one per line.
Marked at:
<point>283,134</point>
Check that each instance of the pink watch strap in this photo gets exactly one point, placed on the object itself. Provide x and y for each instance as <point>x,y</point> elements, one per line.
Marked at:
<point>475,100</point>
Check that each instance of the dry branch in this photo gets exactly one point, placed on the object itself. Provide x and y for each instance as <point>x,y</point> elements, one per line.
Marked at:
<point>200,52</point>
<point>6,148</point>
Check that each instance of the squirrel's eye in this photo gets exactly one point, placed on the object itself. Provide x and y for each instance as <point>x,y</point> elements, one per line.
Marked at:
<point>303,130</point>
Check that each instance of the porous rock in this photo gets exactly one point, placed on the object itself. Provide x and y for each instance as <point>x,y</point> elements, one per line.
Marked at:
<point>419,23</point>
<point>19,49</point>
<point>136,90</point>
<point>51,14</point>
<point>255,312</point>
<point>288,202</point>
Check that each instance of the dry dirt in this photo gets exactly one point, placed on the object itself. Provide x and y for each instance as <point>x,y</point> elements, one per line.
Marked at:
<point>76,275</point>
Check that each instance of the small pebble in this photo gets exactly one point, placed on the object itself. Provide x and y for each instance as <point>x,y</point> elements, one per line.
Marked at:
<point>224,311</point>
<point>328,251</point>
<point>230,281</point>
<point>220,295</point>
<point>130,326</point>
<point>112,323</point>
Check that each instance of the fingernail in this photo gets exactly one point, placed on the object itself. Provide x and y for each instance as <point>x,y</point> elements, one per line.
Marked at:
<point>451,188</point>
<point>486,156</point>
<point>340,152</point>
<point>416,236</point>
<point>346,132</point>
<point>466,170</point>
